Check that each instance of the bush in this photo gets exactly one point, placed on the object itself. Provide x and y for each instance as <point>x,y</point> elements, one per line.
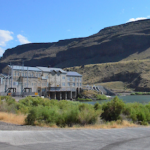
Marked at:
<point>87,114</point>
<point>138,112</point>
<point>112,109</point>
<point>62,113</point>
<point>97,106</point>
<point>84,99</point>
<point>101,97</point>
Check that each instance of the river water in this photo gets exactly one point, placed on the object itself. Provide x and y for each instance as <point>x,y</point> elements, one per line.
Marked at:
<point>127,99</point>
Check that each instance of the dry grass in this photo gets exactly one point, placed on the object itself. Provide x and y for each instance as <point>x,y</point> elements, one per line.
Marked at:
<point>12,118</point>
<point>113,124</point>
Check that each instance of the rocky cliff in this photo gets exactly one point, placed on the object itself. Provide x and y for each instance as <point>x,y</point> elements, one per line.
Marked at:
<point>128,41</point>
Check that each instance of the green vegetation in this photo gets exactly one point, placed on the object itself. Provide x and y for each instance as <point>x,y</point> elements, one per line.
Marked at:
<point>84,99</point>
<point>101,97</point>
<point>141,93</point>
<point>88,95</point>
<point>113,109</point>
<point>63,113</point>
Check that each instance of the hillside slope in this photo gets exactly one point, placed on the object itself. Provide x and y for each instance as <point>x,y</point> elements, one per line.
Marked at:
<point>134,73</point>
<point>112,44</point>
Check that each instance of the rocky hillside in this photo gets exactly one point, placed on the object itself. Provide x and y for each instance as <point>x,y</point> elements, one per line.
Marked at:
<point>112,44</point>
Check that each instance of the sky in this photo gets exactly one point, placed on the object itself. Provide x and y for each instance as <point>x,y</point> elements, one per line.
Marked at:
<point>38,21</point>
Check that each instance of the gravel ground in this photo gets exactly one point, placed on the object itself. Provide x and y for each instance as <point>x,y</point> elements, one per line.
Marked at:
<point>9,126</point>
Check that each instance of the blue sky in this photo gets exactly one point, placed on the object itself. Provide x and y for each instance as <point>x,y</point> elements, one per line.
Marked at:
<point>25,21</point>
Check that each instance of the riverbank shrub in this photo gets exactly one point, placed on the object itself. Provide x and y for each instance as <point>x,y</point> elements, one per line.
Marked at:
<point>101,97</point>
<point>141,93</point>
<point>84,99</point>
<point>138,112</point>
<point>113,109</point>
<point>63,113</point>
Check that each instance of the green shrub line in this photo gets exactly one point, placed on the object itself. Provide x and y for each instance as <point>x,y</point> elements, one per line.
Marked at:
<point>141,93</point>
<point>101,97</point>
<point>84,99</point>
<point>63,113</point>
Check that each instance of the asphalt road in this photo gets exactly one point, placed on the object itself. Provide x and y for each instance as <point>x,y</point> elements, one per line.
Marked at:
<point>82,139</point>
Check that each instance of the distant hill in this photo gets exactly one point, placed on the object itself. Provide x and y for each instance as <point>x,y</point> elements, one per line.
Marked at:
<point>128,41</point>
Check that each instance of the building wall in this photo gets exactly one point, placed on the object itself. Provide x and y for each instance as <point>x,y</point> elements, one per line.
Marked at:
<point>40,81</point>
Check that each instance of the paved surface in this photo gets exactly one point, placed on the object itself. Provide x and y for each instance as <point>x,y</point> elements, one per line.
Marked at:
<point>85,139</point>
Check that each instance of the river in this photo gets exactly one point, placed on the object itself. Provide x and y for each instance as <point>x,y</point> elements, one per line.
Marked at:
<point>128,99</point>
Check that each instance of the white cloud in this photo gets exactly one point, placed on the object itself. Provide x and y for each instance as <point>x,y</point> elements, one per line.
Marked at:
<point>5,36</point>
<point>136,19</point>
<point>22,39</point>
<point>1,51</point>
<point>69,30</point>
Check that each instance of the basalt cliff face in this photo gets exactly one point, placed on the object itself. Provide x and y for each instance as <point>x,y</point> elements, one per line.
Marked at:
<point>128,41</point>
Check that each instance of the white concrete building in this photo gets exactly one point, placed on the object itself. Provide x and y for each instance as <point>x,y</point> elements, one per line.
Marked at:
<point>54,83</point>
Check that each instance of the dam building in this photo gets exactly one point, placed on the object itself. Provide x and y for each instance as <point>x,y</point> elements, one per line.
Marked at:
<point>53,83</point>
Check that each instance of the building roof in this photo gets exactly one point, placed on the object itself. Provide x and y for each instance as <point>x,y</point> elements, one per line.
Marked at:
<point>46,69</point>
<point>4,76</point>
<point>71,73</point>
<point>24,68</point>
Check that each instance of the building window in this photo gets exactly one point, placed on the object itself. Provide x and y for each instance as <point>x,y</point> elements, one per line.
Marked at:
<point>36,74</point>
<point>68,84</point>
<point>80,84</point>
<point>77,84</point>
<point>68,78</point>
<point>63,84</point>
<point>73,79</point>
<point>80,79</point>
<point>18,73</point>
<point>22,73</point>
<point>73,84</point>
<point>39,75</point>
<point>26,74</point>
<point>63,77</point>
